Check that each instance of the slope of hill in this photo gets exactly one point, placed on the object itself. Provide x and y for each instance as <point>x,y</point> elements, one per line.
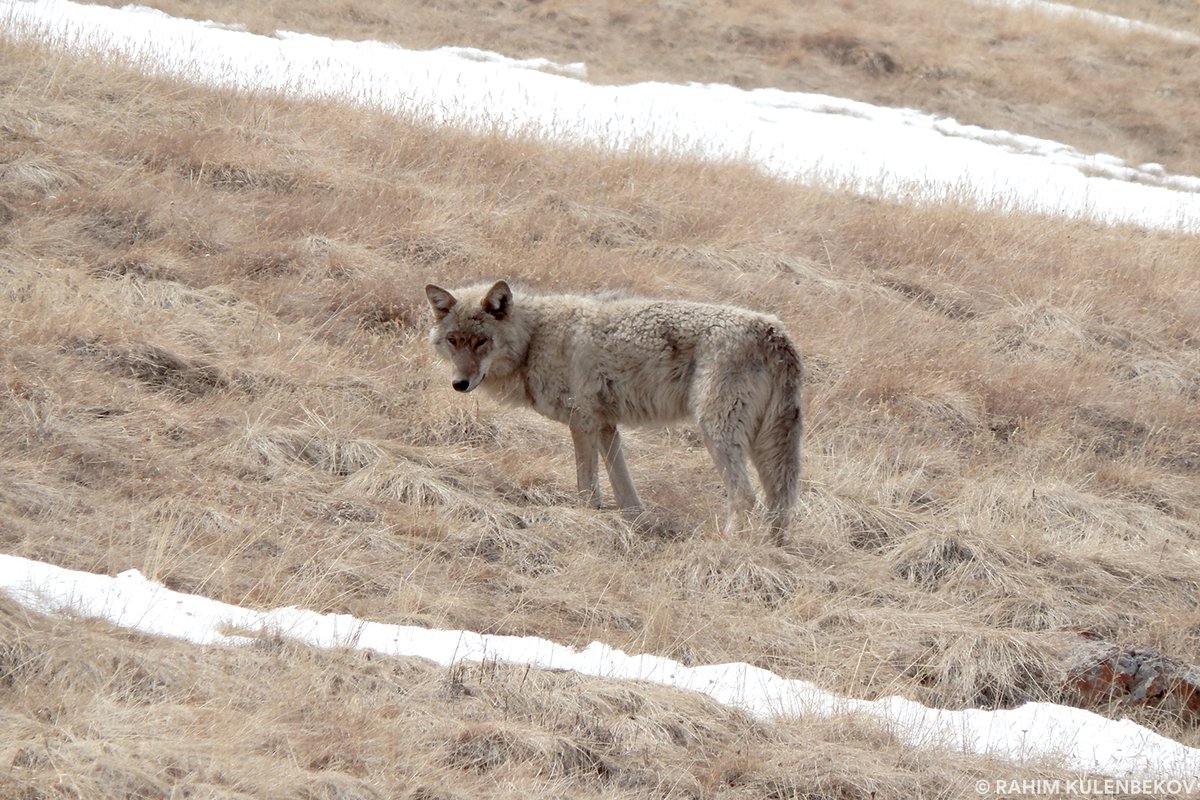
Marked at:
<point>214,373</point>
<point>1098,87</point>
<point>809,137</point>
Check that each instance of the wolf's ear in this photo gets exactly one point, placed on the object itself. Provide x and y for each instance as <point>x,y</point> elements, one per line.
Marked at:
<point>498,300</point>
<point>441,300</point>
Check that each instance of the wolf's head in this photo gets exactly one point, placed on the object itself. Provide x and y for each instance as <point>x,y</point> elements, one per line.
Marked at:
<point>469,331</point>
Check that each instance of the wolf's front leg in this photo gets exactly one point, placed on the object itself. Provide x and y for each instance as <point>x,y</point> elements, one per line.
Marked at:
<point>618,474</point>
<point>587,476</point>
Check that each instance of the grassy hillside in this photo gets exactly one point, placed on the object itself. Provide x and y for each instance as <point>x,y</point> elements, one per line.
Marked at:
<point>214,371</point>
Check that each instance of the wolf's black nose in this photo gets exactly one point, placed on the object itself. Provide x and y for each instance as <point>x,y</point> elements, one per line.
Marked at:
<point>461,385</point>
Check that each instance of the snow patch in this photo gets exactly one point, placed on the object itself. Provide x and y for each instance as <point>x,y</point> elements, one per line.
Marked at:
<point>1078,739</point>
<point>891,152</point>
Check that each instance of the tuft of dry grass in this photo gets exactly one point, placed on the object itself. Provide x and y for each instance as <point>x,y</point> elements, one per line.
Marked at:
<point>214,371</point>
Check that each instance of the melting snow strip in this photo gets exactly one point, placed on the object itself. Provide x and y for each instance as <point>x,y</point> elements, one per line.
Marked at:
<point>891,152</point>
<point>1078,739</point>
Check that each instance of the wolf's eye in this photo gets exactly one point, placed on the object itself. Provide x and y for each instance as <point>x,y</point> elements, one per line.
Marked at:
<point>454,340</point>
<point>479,344</point>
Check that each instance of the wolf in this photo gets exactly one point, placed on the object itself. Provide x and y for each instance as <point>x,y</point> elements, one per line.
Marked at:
<point>597,362</point>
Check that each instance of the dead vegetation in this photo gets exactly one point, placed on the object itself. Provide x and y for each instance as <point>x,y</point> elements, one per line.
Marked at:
<point>118,715</point>
<point>214,372</point>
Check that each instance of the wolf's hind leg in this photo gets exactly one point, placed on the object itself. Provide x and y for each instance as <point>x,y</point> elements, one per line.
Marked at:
<point>778,473</point>
<point>724,430</point>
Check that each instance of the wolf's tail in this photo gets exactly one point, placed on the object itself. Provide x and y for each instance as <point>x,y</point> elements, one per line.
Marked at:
<point>776,448</point>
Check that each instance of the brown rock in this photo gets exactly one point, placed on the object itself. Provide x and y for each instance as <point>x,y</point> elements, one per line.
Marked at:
<point>1101,674</point>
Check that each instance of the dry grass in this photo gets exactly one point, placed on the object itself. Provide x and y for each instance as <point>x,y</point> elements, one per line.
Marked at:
<point>116,715</point>
<point>214,372</point>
